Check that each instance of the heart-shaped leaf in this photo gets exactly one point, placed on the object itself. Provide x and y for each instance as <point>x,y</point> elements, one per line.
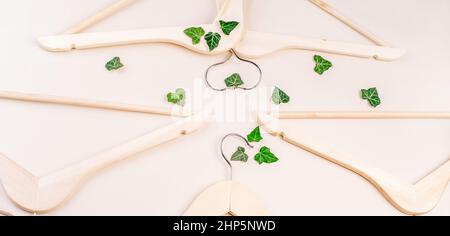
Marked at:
<point>178,97</point>
<point>195,33</point>
<point>114,64</point>
<point>265,156</point>
<point>212,39</point>
<point>234,80</point>
<point>228,26</point>
<point>371,95</point>
<point>322,64</point>
<point>239,155</point>
<point>279,96</point>
<point>255,135</point>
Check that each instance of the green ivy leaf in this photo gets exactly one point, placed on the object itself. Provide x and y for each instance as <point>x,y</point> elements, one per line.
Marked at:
<point>279,96</point>
<point>114,64</point>
<point>234,80</point>
<point>178,97</point>
<point>322,64</point>
<point>265,156</point>
<point>212,39</point>
<point>195,33</point>
<point>255,135</point>
<point>228,26</point>
<point>371,95</point>
<point>239,155</point>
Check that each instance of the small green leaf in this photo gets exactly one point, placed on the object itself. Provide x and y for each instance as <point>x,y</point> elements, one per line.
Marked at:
<point>228,26</point>
<point>234,80</point>
<point>255,135</point>
<point>178,97</point>
<point>279,96</point>
<point>114,64</point>
<point>265,156</point>
<point>371,95</point>
<point>195,33</point>
<point>322,64</point>
<point>212,39</point>
<point>239,155</point>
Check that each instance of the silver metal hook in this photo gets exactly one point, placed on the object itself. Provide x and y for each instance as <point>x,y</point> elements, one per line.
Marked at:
<point>223,62</point>
<point>223,154</point>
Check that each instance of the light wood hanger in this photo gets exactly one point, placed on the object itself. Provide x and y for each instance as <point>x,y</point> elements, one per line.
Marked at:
<point>350,23</point>
<point>259,44</point>
<point>5,213</point>
<point>412,199</point>
<point>232,10</point>
<point>180,112</point>
<point>227,197</point>
<point>253,45</point>
<point>50,99</point>
<point>361,115</point>
<point>44,193</point>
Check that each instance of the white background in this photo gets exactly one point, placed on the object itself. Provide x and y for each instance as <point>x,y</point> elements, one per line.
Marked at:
<point>164,180</point>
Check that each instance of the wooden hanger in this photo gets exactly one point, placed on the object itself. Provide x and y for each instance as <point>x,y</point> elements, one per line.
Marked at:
<point>350,23</point>
<point>259,44</point>
<point>253,45</point>
<point>227,197</point>
<point>5,213</point>
<point>44,193</point>
<point>50,99</point>
<point>232,10</point>
<point>412,199</point>
<point>361,115</point>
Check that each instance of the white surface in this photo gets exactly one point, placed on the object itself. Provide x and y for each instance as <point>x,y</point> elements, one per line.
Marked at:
<point>44,137</point>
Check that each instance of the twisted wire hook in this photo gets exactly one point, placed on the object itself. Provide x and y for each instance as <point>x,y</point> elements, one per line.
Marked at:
<point>223,154</point>
<point>223,62</point>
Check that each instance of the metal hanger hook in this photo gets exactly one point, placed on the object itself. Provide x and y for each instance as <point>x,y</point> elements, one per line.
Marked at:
<point>223,154</point>
<point>226,60</point>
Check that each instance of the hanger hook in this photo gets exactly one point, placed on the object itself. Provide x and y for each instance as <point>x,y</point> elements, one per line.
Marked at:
<point>223,62</point>
<point>223,154</point>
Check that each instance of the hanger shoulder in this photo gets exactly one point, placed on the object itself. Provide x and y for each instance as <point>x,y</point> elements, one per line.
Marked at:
<point>213,201</point>
<point>46,193</point>
<point>63,43</point>
<point>244,202</point>
<point>50,99</point>
<point>226,197</point>
<point>361,115</point>
<point>232,10</point>
<point>258,44</point>
<point>171,35</point>
<point>350,23</point>
<point>19,184</point>
<point>408,198</point>
<point>99,16</point>
<point>434,184</point>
